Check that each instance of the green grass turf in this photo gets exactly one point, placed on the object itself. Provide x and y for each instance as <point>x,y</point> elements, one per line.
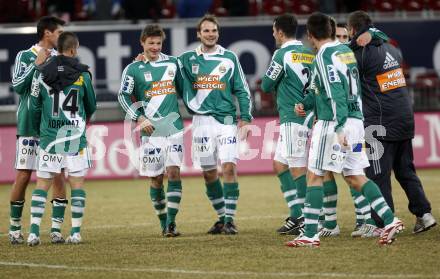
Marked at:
<point>122,239</point>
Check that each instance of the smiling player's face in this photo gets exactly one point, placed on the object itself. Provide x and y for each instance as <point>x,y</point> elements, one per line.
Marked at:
<point>208,34</point>
<point>152,47</point>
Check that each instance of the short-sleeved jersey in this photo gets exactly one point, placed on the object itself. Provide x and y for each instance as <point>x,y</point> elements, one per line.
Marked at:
<point>155,84</point>
<point>335,84</point>
<point>22,74</point>
<point>64,114</point>
<point>289,75</point>
<point>211,79</point>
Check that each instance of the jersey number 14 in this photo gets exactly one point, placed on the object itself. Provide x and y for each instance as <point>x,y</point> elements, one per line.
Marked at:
<point>70,103</point>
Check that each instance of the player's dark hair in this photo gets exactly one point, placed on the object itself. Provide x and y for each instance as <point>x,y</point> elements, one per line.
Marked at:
<point>333,25</point>
<point>210,18</point>
<point>50,23</point>
<point>66,41</point>
<point>319,26</point>
<point>287,23</point>
<point>153,30</point>
<point>359,20</point>
<point>341,25</point>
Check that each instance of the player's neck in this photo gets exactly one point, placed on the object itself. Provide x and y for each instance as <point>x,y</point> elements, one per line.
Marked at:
<point>208,49</point>
<point>152,59</point>
<point>67,54</point>
<point>285,40</point>
<point>320,43</point>
<point>44,44</point>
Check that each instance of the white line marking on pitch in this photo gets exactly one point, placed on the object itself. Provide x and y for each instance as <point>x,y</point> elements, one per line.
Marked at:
<point>222,273</point>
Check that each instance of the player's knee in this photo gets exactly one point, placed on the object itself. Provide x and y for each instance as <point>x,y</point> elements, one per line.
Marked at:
<point>173,173</point>
<point>76,182</point>
<point>297,172</point>
<point>329,176</point>
<point>229,171</point>
<point>351,182</point>
<point>157,181</point>
<point>22,178</point>
<point>58,182</point>
<point>356,181</point>
<point>278,167</point>
<point>210,175</point>
<point>314,179</point>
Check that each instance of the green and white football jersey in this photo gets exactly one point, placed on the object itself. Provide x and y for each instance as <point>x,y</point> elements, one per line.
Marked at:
<point>154,84</point>
<point>63,115</point>
<point>289,75</point>
<point>335,85</point>
<point>210,81</point>
<point>23,72</point>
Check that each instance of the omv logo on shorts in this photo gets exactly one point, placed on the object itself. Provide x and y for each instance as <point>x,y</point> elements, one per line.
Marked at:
<point>31,142</point>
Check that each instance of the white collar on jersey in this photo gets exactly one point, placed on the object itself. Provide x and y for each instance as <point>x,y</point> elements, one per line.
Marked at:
<point>330,44</point>
<point>218,50</point>
<point>292,43</point>
<point>162,57</point>
<point>36,48</point>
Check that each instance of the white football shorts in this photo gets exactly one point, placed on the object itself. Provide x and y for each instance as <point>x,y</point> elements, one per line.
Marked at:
<point>213,141</point>
<point>158,153</point>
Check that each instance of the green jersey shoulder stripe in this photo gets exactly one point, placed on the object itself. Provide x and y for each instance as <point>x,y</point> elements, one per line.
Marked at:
<point>23,67</point>
<point>247,96</point>
<point>127,86</point>
<point>320,62</point>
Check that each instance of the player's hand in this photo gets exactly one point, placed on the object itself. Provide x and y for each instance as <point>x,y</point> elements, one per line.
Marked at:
<point>243,129</point>
<point>145,125</point>
<point>342,139</point>
<point>140,57</point>
<point>364,39</point>
<point>42,56</point>
<point>299,110</point>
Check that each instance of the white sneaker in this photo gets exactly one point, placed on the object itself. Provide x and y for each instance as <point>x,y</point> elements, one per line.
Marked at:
<point>33,240</point>
<point>74,239</point>
<point>16,237</point>
<point>56,238</point>
<point>330,232</point>
<point>389,232</point>
<point>357,232</point>
<point>369,231</point>
<point>424,223</point>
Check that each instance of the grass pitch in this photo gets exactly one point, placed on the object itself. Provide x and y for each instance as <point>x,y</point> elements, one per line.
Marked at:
<point>122,239</point>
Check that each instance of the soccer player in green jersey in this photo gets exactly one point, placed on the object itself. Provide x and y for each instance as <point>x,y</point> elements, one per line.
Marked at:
<point>365,226</point>
<point>213,75</point>
<point>63,96</point>
<point>153,83</point>
<point>289,75</point>
<point>338,136</point>
<point>48,31</point>
<point>328,226</point>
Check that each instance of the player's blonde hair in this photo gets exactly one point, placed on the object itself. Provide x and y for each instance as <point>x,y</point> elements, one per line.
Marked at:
<point>210,18</point>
